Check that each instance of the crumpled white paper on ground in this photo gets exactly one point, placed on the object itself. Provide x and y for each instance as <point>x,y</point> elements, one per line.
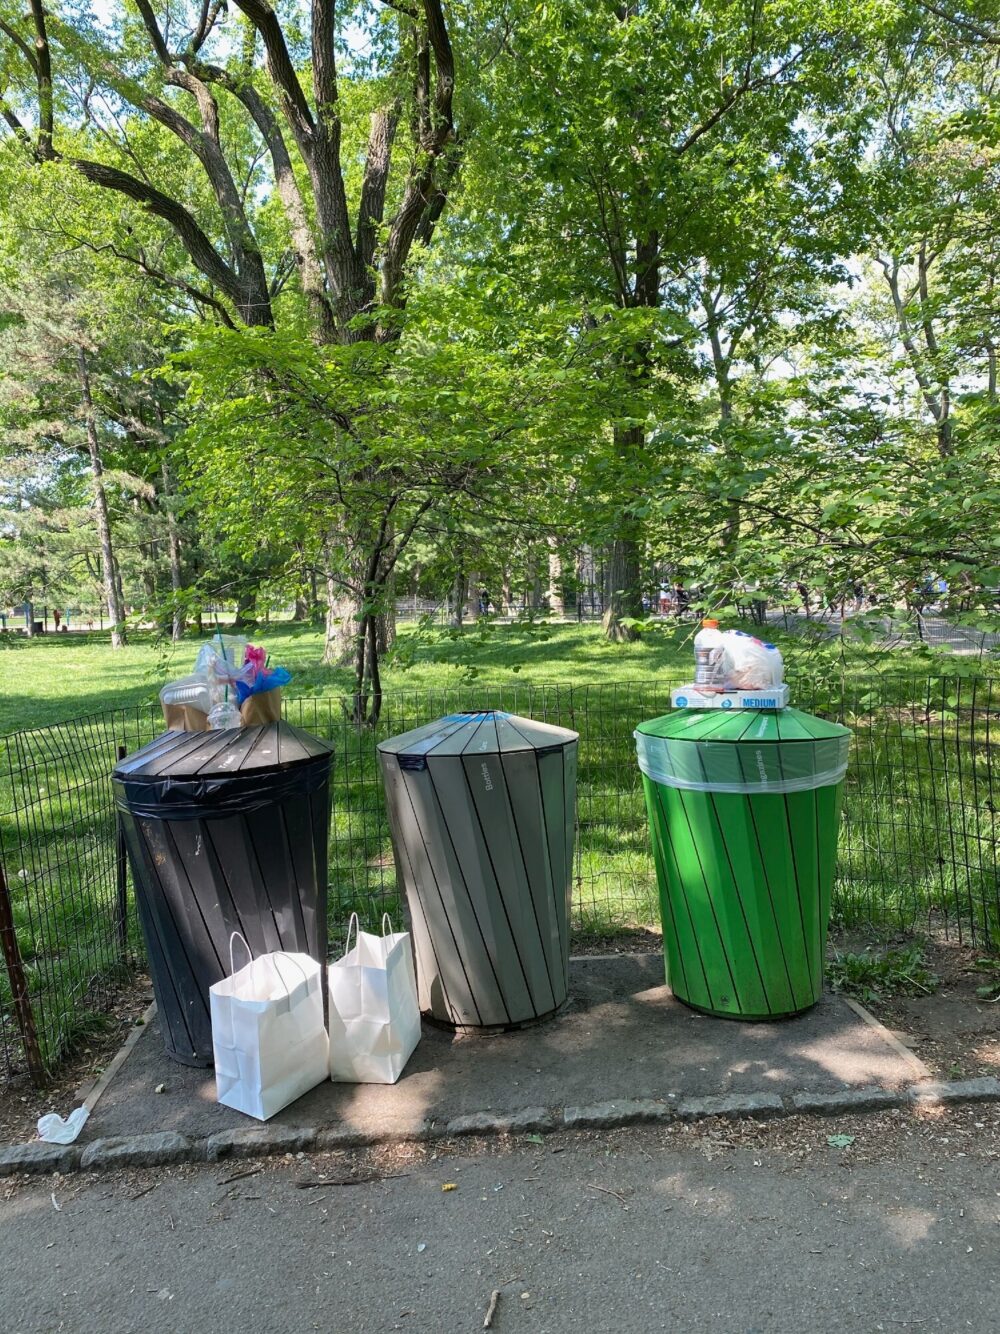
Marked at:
<point>55,1130</point>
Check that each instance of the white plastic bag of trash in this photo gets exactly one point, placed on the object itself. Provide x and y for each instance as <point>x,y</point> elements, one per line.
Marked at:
<point>55,1129</point>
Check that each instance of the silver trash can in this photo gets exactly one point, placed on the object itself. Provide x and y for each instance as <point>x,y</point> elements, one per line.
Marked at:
<point>482,815</point>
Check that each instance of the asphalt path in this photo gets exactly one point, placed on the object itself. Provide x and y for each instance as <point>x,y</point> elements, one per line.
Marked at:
<point>755,1229</point>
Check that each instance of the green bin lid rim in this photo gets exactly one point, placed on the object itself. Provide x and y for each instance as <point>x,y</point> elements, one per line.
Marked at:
<point>743,726</point>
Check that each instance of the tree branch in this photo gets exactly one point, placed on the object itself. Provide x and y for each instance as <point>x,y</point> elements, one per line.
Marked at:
<point>378,160</point>
<point>736,95</point>
<point>43,74</point>
<point>992,38</point>
<point>420,186</point>
<point>281,69</point>
<point>197,244</point>
<point>21,45</point>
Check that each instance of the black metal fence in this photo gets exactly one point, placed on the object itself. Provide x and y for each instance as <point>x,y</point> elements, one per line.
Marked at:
<point>918,845</point>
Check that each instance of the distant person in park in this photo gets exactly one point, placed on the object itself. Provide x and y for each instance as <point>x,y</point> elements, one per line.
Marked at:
<point>56,616</point>
<point>682,600</point>
<point>664,600</point>
<point>484,602</point>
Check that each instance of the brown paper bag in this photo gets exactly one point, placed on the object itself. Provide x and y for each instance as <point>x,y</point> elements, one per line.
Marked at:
<point>263,708</point>
<point>185,718</point>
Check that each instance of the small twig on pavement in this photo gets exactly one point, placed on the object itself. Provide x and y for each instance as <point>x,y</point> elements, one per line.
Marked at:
<point>351,1181</point>
<point>55,1203</point>
<point>238,1176</point>
<point>620,1198</point>
<point>145,1191</point>
<point>491,1309</point>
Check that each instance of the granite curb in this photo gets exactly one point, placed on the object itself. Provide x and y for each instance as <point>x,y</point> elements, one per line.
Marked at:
<point>169,1147</point>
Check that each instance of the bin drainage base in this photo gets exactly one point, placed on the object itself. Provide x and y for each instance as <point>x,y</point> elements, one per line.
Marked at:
<point>493,1030</point>
<point>745,1018</point>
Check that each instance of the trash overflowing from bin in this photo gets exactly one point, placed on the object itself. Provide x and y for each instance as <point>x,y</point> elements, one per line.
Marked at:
<point>733,670</point>
<point>232,685</point>
<point>225,831</point>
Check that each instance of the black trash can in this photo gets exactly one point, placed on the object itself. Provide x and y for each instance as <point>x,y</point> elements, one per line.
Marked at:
<point>226,831</point>
<point>482,813</point>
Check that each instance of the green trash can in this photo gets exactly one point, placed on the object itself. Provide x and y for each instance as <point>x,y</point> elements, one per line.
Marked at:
<point>744,809</point>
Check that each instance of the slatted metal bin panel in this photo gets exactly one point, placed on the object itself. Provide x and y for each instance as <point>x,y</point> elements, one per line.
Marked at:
<point>226,831</point>
<point>744,810</point>
<point>482,812</point>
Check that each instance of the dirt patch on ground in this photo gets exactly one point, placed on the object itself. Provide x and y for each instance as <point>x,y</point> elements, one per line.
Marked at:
<point>634,940</point>
<point>953,1030</point>
<point>21,1104</point>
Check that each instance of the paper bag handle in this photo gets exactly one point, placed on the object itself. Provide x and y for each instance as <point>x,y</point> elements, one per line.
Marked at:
<point>237,935</point>
<point>352,924</point>
<point>386,918</point>
<point>287,999</point>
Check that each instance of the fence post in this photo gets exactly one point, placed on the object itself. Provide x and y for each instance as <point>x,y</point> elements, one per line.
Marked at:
<point>19,986</point>
<point>121,884</point>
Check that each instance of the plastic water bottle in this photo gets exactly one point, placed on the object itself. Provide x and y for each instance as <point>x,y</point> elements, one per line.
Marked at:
<point>709,654</point>
<point>224,716</point>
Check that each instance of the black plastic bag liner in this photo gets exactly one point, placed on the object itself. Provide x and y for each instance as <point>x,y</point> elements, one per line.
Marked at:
<point>226,831</point>
<point>205,775</point>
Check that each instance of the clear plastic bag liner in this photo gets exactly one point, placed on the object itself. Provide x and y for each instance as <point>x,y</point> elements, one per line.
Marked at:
<point>218,795</point>
<point>725,766</point>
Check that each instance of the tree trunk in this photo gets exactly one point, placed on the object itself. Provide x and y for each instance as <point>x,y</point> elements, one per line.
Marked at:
<point>301,612</point>
<point>557,603</point>
<point>112,584</point>
<point>342,612</point>
<point>536,584</point>
<point>507,594</point>
<point>722,364</point>
<point>944,429</point>
<point>385,628</point>
<point>622,589</point>
<point>244,606</point>
<point>174,549</point>
<point>456,599</point>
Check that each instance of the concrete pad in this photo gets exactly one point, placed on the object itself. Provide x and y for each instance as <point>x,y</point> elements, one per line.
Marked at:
<point>623,1036</point>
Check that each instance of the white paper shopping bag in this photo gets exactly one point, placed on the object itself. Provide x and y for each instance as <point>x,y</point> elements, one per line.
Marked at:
<point>270,1040</point>
<point>374,1015</point>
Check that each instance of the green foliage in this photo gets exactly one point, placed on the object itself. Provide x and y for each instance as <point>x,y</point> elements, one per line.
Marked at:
<point>882,973</point>
<point>715,284</point>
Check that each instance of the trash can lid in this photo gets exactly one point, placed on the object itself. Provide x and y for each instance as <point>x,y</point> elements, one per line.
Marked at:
<point>236,750</point>
<point>754,751</point>
<point>488,731</point>
<point>743,726</point>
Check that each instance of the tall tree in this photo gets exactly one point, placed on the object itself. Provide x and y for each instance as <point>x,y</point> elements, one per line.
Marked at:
<point>288,168</point>
<point>641,126</point>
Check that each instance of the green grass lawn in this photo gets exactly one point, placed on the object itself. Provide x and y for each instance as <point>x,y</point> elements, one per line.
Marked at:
<point>57,677</point>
